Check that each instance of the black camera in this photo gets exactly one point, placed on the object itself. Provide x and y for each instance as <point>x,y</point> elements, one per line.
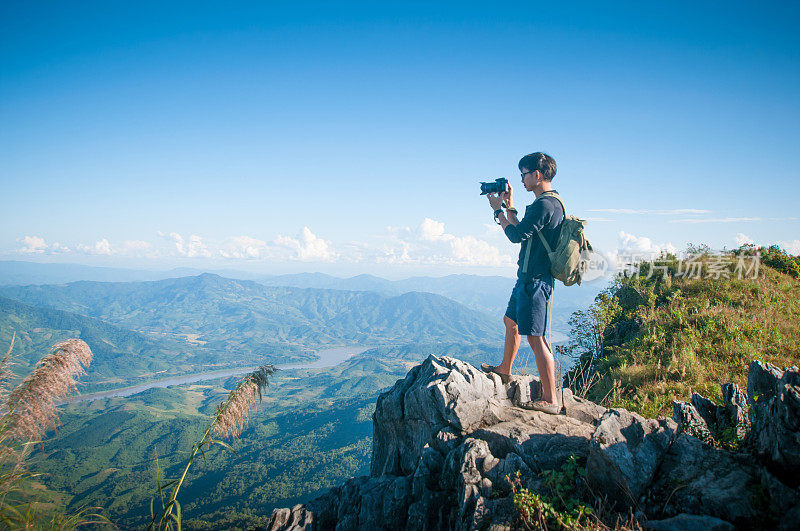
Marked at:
<point>499,186</point>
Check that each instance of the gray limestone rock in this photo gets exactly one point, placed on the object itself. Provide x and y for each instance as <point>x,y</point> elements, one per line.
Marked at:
<point>790,520</point>
<point>762,379</point>
<point>440,394</point>
<point>543,441</point>
<point>776,402</point>
<point>734,414</point>
<point>705,420</point>
<point>699,479</point>
<point>706,408</point>
<point>782,498</point>
<point>625,451</point>
<point>581,409</point>
<point>296,518</point>
<point>690,421</point>
<point>448,439</point>
<point>689,522</point>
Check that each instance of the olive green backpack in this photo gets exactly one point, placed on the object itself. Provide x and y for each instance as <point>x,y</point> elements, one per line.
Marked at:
<point>572,253</point>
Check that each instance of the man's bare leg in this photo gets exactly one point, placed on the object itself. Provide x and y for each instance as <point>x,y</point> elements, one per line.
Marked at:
<point>511,346</point>
<point>546,367</point>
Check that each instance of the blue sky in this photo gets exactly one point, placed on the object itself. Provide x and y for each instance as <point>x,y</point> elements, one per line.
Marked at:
<point>350,138</point>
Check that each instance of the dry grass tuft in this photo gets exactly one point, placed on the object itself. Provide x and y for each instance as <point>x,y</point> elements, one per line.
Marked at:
<point>234,412</point>
<point>31,406</point>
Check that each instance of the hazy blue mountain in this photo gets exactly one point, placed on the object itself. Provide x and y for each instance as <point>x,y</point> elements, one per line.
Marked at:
<point>227,314</point>
<point>16,273</point>
<point>488,294</point>
<point>22,273</point>
<point>323,281</point>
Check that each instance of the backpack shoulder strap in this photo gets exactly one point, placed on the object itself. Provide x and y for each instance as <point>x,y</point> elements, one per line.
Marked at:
<point>556,196</point>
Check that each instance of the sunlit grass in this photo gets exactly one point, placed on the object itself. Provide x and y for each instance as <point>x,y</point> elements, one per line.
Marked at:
<point>690,335</point>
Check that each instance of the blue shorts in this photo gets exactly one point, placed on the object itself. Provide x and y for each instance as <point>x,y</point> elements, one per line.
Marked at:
<point>528,306</point>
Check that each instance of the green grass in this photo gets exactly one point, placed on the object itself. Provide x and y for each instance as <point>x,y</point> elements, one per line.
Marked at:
<point>664,337</point>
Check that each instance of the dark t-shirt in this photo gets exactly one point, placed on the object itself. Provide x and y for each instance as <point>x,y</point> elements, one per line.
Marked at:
<point>545,214</point>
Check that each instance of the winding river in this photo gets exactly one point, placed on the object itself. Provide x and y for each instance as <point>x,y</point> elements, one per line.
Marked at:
<point>327,358</point>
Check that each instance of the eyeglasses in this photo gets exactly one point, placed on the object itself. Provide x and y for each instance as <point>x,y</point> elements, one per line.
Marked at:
<point>526,173</point>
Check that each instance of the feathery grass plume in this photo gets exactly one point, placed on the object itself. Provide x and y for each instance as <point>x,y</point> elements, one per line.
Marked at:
<point>12,458</point>
<point>5,369</point>
<point>31,405</point>
<point>25,414</point>
<point>231,418</point>
<point>233,414</point>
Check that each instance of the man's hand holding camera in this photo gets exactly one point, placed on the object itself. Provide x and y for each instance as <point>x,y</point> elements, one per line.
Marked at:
<point>497,200</point>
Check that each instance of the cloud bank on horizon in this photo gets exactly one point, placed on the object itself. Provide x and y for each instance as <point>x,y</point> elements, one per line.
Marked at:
<point>428,243</point>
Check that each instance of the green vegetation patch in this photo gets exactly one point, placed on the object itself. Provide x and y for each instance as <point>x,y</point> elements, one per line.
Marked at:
<point>657,336</point>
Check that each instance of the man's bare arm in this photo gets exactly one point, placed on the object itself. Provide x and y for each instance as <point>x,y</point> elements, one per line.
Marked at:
<point>509,217</point>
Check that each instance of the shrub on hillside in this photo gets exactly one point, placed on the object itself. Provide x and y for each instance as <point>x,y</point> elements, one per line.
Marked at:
<point>779,260</point>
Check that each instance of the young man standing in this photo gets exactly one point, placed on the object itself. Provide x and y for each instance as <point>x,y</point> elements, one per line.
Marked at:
<point>527,309</point>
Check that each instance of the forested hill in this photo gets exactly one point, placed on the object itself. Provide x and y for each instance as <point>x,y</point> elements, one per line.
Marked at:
<point>121,357</point>
<point>220,314</point>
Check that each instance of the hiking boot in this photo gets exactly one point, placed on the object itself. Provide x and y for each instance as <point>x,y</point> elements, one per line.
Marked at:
<point>505,378</point>
<point>544,407</point>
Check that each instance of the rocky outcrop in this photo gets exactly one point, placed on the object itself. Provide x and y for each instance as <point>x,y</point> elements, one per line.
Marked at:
<point>774,396</point>
<point>449,441</point>
<point>689,522</point>
<point>626,449</point>
<point>706,420</point>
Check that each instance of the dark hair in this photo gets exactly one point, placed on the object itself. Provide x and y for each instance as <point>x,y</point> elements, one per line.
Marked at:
<point>541,162</point>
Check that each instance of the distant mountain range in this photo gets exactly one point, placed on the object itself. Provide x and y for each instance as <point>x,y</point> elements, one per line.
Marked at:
<point>208,319</point>
<point>487,294</point>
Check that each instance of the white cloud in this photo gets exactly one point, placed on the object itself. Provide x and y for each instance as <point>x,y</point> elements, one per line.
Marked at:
<point>244,247</point>
<point>193,248</point>
<point>307,246</point>
<point>57,248</point>
<point>100,247</point>
<point>657,212</point>
<point>492,230</point>
<point>630,243</point>
<point>136,245</point>
<point>632,248</point>
<point>472,251</point>
<point>32,245</point>
<point>743,239</point>
<point>137,248</point>
<point>713,220</point>
<point>792,247</point>
<point>38,245</point>
<point>430,243</point>
<point>431,231</point>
